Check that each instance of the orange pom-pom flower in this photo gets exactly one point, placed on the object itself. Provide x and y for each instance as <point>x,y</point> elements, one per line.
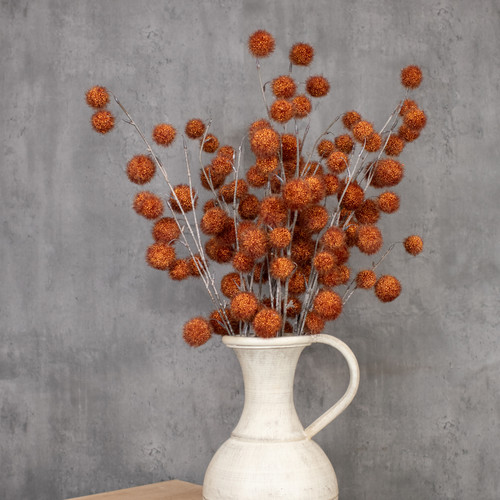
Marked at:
<point>369,239</point>
<point>387,288</point>
<point>281,110</point>
<point>301,54</point>
<point>244,306</point>
<point>103,121</point>
<point>317,86</point>
<point>414,244</point>
<point>160,256</point>
<point>195,128</point>
<point>284,87</point>
<point>182,198</point>
<point>148,205</point>
<point>164,134</point>
<point>140,169</point>
<point>97,97</point>
<point>328,304</point>
<point>366,279</point>
<point>301,106</point>
<point>261,43</point>
<point>267,323</point>
<point>197,331</point>
<point>411,77</point>
<point>166,230</point>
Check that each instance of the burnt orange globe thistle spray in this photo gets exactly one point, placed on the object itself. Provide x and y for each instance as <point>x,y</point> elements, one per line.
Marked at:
<point>282,210</point>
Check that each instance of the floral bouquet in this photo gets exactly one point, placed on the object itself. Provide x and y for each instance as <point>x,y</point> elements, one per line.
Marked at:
<point>286,225</point>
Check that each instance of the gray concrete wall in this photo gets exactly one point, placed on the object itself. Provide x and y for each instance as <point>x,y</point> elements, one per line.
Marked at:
<point>97,389</point>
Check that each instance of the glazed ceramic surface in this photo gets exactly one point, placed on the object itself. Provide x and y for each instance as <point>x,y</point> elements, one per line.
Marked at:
<point>269,454</point>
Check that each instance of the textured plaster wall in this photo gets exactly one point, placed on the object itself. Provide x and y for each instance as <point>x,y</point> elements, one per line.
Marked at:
<point>97,389</point>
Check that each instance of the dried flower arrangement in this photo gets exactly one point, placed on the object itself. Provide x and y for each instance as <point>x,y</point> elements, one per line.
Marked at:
<point>290,246</point>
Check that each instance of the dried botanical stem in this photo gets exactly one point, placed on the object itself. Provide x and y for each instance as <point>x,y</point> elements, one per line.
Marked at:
<point>257,63</point>
<point>210,279</point>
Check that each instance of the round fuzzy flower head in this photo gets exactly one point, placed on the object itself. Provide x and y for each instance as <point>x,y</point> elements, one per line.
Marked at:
<point>265,142</point>
<point>411,77</point>
<point>324,262</point>
<point>317,187</point>
<point>195,128</point>
<point>255,177</point>
<point>387,288</point>
<point>366,279</point>
<point>242,262</point>
<point>210,144</point>
<point>166,230</point>
<point>289,147</point>
<point>244,306</point>
<point>337,162</point>
<point>97,97</point>
<point>333,238</point>
<point>407,105</point>
<point>369,239</point>
<point>317,86</point>
<point>326,148</point>
<point>314,218</point>
<point>388,202</point>
<point>373,142</point>
<point>280,237</point>
<point>230,284</point>
<point>179,270</point>
<point>352,197</point>
<point>394,146</point>
<point>281,268</point>
<point>281,110</point>
<point>221,166</point>
<point>103,121</point>
<point>140,169</point>
<point>350,118</point>
<point>160,256</point>
<point>197,331</point>
<point>301,106</point>
<point>297,194</point>
<point>148,205</point>
<point>214,221</point>
<point>414,244</point>
<point>261,43</point>
<point>415,119</point>
<point>164,134</point>
<point>301,54</point>
<point>328,304</point>
<point>182,198</point>
<point>284,87</point>
<point>368,212</point>
<point>253,242</point>
<point>362,130</point>
<point>257,125</point>
<point>388,172</point>
<point>267,323</point>
<point>332,184</point>
<point>273,211</point>
<point>408,134</point>
<point>314,323</point>
<point>249,207</point>
<point>344,143</point>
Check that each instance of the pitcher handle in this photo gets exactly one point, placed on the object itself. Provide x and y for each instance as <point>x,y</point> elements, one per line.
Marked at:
<point>349,394</point>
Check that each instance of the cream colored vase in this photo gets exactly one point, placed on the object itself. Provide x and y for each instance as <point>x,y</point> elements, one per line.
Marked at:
<point>269,454</point>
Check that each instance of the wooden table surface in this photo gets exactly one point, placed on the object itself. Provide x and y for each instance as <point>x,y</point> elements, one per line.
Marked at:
<point>167,490</point>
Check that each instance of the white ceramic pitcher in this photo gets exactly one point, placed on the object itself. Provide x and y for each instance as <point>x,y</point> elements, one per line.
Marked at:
<point>269,454</point>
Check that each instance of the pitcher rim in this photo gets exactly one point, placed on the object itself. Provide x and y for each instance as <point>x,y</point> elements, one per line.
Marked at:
<point>263,343</point>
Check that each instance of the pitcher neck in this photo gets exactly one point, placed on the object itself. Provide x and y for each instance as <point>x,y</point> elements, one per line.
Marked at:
<point>268,374</point>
